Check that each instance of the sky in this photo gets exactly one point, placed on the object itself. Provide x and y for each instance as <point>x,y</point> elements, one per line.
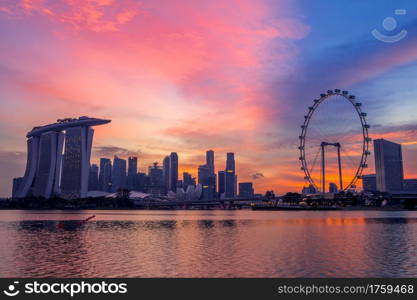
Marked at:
<point>189,76</point>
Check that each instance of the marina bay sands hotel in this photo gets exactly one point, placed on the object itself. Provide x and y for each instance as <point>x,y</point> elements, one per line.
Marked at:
<point>58,159</point>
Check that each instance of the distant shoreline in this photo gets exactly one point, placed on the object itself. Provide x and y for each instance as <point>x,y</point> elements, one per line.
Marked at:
<point>341,209</point>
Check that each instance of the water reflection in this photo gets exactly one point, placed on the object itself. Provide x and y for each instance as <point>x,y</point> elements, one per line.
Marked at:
<point>209,244</point>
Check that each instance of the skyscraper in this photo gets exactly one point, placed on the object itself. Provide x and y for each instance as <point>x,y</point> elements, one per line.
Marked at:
<point>156,180</point>
<point>132,170</point>
<point>173,171</point>
<point>207,181</point>
<point>93,178</point>
<point>187,180</point>
<point>230,161</point>
<point>53,168</point>
<point>105,176</point>
<point>210,161</point>
<point>45,179</point>
<point>388,166</point>
<point>118,174</point>
<point>76,162</point>
<point>222,182</point>
<point>230,176</point>
<point>141,182</point>
<point>165,166</point>
<point>211,180</point>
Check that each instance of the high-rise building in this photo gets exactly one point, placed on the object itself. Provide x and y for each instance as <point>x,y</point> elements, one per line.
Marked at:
<point>104,179</point>
<point>222,182</point>
<point>93,178</point>
<point>230,176</point>
<point>207,181</point>
<point>212,184</point>
<point>59,158</point>
<point>141,182</point>
<point>388,166</point>
<point>210,161</point>
<point>49,151</point>
<point>156,180</point>
<point>369,183</point>
<point>165,167</point>
<point>173,171</point>
<point>236,185</point>
<point>410,185</point>
<point>76,162</point>
<point>333,188</point>
<point>132,171</point>
<point>187,180</point>
<point>230,161</point>
<point>246,190</point>
<point>118,174</point>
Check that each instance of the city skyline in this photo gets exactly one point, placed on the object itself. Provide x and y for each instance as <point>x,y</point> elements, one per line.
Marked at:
<point>133,179</point>
<point>180,84</point>
<point>68,142</point>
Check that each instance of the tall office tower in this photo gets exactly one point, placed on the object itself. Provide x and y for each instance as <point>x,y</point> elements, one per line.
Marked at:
<point>104,179</point>
<point>333,188</point>
<point>54,169</point>
<point>207,181</point>
<point>187,180</point>
<point>212,186</point>
<point>165,166</point>
<point>16,184</point>
<point>141,182</point>
<point>93,178</point>
<point>118,174</point>
<point>156,184</point>
<point>230,180</point>
<point>388,166</point>
<point>210,161</point>
<point>222,182</point>
<point>235,185</point>
<point>230,161</point>
<point>173,171</point>
<point>246,190</point>
<point>132,170</point>
<point>76,162</point>
<point>369,183</point>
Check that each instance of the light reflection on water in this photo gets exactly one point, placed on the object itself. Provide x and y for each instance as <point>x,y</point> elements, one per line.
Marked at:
<point>208,244</point>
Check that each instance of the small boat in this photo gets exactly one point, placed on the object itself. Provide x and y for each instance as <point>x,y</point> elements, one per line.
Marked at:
<point>73,224</point>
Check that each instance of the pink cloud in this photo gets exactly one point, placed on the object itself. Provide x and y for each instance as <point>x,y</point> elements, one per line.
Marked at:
<point>171,75</point>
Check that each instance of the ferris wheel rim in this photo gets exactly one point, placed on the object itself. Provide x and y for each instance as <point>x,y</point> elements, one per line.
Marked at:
<point>365,136</point>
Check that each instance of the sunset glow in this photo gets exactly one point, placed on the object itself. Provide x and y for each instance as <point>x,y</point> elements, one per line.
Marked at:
<point>189,76</point>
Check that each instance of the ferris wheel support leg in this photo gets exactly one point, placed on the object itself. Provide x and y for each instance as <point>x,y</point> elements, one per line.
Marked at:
<point>323,170</point>
<point>340,168</point>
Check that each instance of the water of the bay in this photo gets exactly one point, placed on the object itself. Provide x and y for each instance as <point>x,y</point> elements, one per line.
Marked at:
<point>218,243</point>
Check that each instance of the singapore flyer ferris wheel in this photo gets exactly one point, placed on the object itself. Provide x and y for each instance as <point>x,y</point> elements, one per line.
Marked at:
<point>334,141</point>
